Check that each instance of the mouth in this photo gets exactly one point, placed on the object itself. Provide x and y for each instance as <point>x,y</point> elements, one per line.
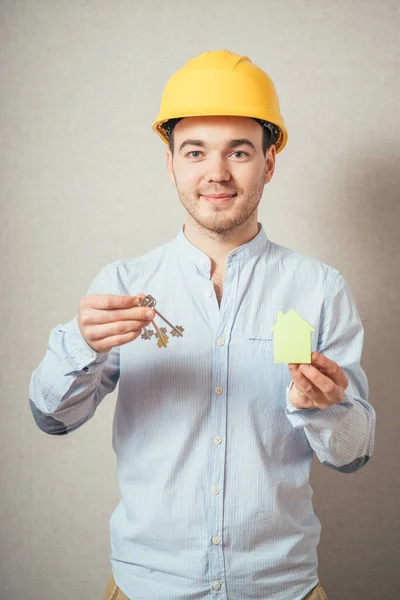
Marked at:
<point>218,199</point>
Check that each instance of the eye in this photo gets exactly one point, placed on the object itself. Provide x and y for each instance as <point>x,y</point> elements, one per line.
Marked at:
<point>241,153</point>
<point>192,154</point>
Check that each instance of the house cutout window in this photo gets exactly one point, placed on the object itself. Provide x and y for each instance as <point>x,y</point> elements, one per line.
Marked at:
<point>292,338</point>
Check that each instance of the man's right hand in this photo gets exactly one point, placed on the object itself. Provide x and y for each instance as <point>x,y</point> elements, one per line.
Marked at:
<point>106,321</point>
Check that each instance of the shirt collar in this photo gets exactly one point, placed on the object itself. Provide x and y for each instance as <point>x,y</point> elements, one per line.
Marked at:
<point>242,253</point>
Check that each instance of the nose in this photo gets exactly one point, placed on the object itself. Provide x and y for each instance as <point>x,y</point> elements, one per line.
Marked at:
<point>217,170</point>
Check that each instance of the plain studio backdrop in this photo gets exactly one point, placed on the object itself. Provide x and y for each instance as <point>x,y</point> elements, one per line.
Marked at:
<point>84,183</point>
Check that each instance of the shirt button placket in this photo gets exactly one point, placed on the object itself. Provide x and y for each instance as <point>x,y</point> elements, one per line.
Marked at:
<point>216,540</point>
<point>218,458</point>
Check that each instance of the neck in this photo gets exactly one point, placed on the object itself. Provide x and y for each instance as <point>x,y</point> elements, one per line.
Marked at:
<point>217,246</point>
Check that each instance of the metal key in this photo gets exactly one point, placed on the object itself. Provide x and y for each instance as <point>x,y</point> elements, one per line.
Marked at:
<point>147,332</point>
<point>151,303</point>
<point>161,336</point>
<point>177,331</point>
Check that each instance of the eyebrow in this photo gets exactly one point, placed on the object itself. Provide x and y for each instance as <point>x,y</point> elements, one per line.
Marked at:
<point>231,144</point>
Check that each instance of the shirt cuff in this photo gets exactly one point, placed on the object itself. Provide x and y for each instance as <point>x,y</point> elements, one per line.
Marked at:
<point>79,354</point>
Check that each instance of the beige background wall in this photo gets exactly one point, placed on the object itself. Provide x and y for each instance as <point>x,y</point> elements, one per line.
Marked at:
<point>83,182</point>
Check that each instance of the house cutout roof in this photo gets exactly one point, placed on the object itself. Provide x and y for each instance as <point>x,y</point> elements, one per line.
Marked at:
<point>291,322</point>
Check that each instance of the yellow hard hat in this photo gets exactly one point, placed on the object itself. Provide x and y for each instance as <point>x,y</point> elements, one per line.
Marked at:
<point>219,82</point>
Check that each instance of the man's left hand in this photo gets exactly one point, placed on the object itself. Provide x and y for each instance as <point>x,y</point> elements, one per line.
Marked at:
<point>318,385</point>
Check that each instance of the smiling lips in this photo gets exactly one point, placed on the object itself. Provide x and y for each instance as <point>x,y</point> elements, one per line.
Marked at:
<point>218,198</point>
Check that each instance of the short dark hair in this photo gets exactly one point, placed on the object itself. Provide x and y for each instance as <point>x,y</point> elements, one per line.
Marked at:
<point>267,139</point>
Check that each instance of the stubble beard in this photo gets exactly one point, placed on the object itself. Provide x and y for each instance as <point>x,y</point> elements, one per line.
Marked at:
<point>218,222</point>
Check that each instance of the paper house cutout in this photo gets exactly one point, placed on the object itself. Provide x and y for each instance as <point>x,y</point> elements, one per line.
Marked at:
<point>292,338</point>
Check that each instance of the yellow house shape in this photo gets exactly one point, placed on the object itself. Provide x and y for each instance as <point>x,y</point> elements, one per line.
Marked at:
<point>292,338</point>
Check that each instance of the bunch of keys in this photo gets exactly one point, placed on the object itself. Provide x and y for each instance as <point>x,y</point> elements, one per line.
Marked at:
<point>161,332</point>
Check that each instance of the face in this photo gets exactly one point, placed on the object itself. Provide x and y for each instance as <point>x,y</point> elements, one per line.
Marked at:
<point>220,170</point>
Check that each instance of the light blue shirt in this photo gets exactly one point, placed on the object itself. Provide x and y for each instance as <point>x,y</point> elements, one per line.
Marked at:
<point>213,460</point>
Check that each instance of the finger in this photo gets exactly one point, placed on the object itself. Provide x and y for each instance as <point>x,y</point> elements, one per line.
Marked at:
<point>323,383</point>
<point>106,330</point>
<point>303,385</point>
<point>330,368</point>
<point>107,344</point>
<point>97,316</point>
<point>110,301</point>
<point>306,391</point>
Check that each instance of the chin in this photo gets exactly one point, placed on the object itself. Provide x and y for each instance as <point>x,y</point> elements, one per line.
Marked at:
<point>221,227</point>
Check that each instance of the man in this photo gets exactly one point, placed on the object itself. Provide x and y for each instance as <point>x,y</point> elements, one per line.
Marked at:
<point>214,441</point>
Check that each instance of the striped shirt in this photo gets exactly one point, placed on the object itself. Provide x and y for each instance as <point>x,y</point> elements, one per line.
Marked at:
<point>213,460</point>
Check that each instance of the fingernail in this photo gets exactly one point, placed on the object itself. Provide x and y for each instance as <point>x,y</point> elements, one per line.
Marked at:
<point>149,313</point>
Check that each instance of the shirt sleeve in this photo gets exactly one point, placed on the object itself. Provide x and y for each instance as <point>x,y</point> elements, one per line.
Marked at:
<point>342,435</point>
<point>72,379</point>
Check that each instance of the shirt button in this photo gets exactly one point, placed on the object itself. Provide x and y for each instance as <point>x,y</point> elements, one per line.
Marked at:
<point>208,293</point>
<point>218,390</point>
<point>218,440</point>
<point>217,585</point>
<point>216,491</point>
<point>220,341</point>
<point>215,540</point>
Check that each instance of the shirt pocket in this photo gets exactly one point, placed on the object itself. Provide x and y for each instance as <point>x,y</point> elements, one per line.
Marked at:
<point>274,377</point>
<point>260,349</point>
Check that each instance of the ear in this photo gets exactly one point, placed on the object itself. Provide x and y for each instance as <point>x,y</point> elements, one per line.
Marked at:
<point>270,163</point>
<point>169,166</point>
